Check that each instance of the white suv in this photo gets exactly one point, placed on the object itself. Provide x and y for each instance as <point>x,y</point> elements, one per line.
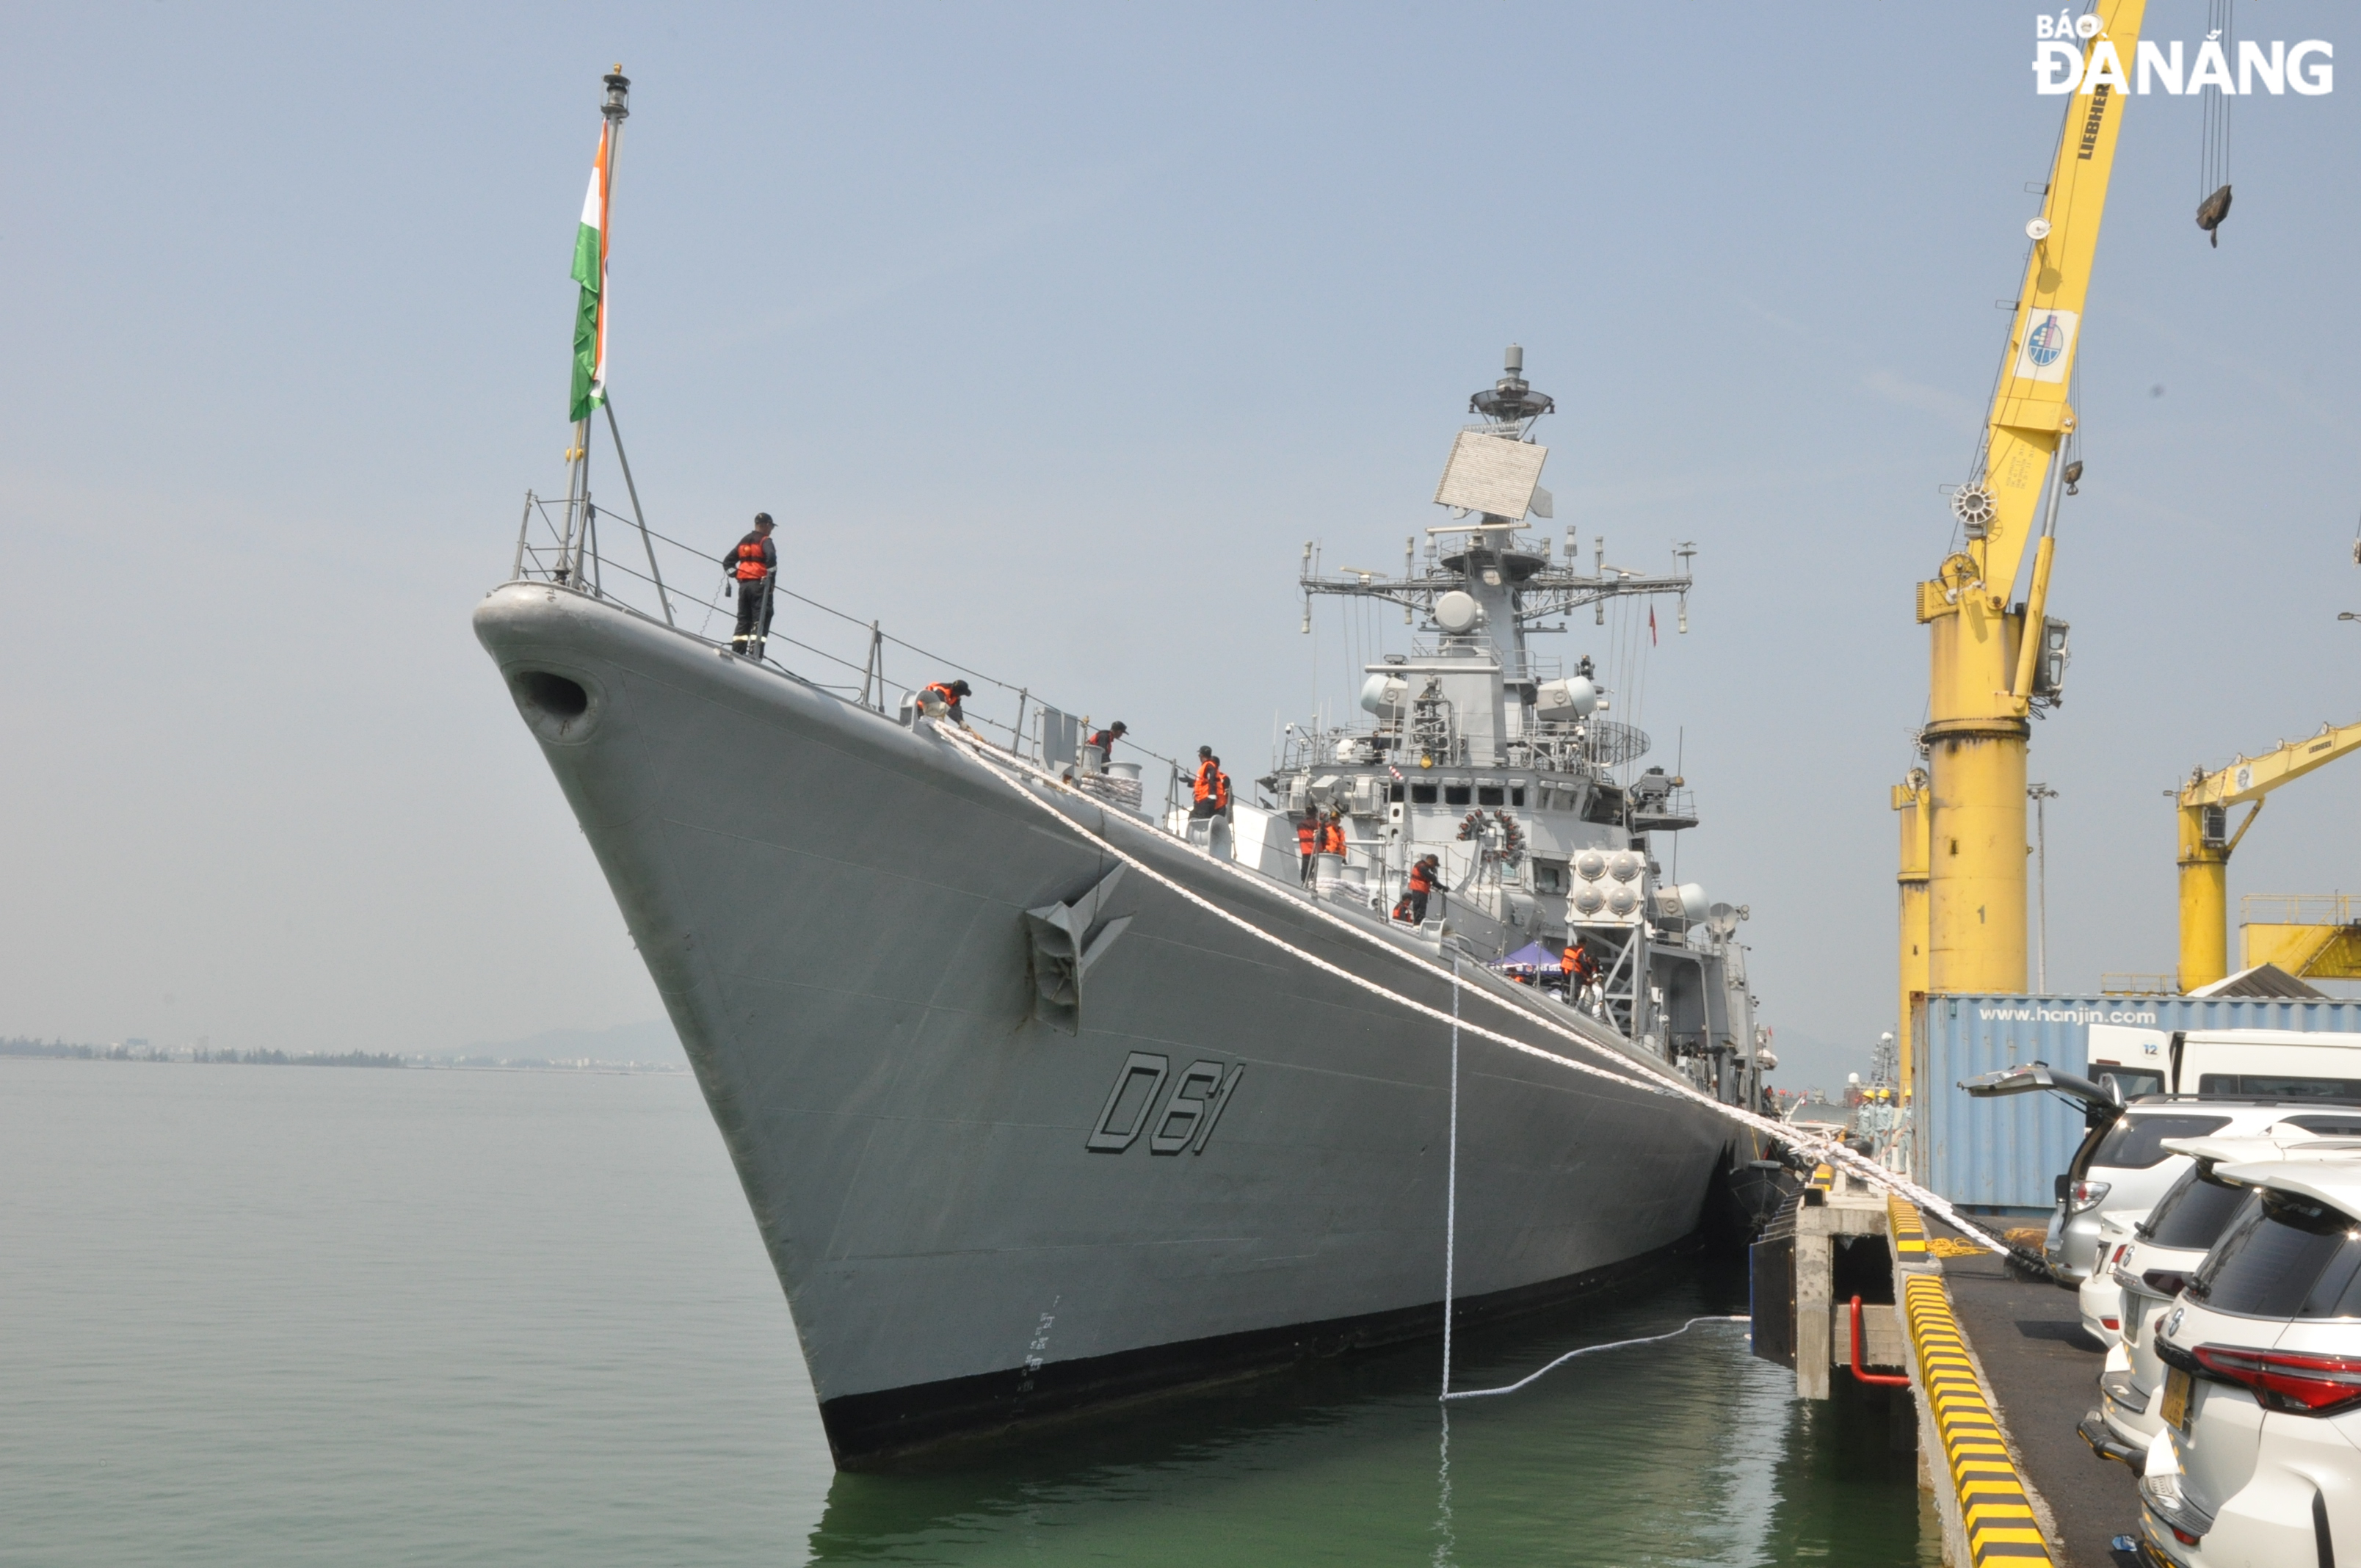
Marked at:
<point>2100,1293</point>
<point>2163,1250</point>
<point>2259,1459</point>
<point>2126,1166</point>
<point>2123,1164</point>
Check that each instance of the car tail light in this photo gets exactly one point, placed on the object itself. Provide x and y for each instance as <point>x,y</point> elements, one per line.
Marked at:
<point>2287,1380</point>
<point>2183,1536</point>
<point>2083,1194</point>
<point>2165,1281</point>
<point>2121,1249</point>
<point>2111,1323</point>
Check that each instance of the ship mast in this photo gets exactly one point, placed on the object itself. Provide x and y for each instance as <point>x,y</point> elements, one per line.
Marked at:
<point>1485,558</point>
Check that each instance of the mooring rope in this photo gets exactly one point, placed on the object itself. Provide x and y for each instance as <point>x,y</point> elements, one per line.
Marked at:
<point>1451,1181</point>
<point>1533,1377</point>
<point>973,748</point>
<point>1826,1150</point>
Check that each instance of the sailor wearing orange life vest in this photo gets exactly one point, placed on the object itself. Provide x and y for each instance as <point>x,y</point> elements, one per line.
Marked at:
<point>1581,969</point>
<point>1425,877</point>
<point>751,565</point>
<point>1332,836</point>
<point>951,694</point>
<point>1206,789</point>
<point>1308,835</point>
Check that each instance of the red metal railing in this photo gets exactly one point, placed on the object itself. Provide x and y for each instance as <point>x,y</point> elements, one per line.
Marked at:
<point>1881,1380</point>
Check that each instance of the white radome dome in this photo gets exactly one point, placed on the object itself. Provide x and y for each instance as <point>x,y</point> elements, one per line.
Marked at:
<point>1457,611</point>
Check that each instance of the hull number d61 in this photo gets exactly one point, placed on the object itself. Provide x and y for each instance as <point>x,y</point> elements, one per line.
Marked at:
<point>1181,1119</point>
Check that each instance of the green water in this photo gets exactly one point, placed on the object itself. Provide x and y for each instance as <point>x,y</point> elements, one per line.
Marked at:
<point>263,1316</point>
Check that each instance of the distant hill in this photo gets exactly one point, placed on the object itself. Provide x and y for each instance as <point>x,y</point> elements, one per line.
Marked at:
<point>650,1041</point>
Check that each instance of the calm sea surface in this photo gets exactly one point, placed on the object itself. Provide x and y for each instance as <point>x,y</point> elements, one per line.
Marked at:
<point>284,1315</point>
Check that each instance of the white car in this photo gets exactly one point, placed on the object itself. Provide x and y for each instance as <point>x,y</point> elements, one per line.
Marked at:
<point>2149,1272</point>
<point>2127,1166</point>
<point>2259,1458</point>
<point>2102,1298</point>
<point>2123,1164</point>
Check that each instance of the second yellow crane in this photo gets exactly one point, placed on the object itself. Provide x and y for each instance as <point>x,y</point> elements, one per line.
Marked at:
<point>2324,949</point>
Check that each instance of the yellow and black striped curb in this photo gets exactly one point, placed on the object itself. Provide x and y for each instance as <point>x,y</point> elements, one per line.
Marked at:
<point>1824,1178</point>
<point>1996,1509</point>
<point>1907,1231</point>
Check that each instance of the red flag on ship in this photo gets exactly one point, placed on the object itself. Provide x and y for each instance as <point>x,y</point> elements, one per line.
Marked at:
<point>1651,625</point>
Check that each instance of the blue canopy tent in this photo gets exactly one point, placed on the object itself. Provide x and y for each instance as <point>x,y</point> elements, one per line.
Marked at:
<point>1531,956</point>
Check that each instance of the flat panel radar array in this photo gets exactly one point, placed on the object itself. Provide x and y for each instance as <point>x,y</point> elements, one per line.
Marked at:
<point>1491,473</point>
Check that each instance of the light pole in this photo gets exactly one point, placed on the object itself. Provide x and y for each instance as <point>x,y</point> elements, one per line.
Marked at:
<point>2042,795</point>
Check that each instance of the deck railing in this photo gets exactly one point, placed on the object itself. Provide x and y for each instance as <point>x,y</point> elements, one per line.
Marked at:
<point>2296,909</point>
<point>838,651</point>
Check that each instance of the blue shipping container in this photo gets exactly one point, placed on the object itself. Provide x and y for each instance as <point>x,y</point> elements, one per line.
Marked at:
<point>2009,1153</point>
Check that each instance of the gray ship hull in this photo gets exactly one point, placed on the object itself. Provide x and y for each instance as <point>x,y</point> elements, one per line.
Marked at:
<point>832,905</point>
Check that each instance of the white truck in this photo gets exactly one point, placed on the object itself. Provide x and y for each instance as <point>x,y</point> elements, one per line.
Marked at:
<point>2264,1064</point>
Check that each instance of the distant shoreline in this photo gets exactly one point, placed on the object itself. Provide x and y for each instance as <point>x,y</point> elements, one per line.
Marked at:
<point>58,1050</point>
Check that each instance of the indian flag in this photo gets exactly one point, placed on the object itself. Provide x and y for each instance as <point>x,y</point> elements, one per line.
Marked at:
<point>590,271</point>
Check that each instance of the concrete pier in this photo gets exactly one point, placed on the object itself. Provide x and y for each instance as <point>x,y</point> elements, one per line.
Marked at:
<point>1840,1252</point>
<point>2044,1371</point>
<point>1998,1372</point>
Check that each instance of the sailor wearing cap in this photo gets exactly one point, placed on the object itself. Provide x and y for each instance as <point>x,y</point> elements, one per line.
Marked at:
<point>752,566</point>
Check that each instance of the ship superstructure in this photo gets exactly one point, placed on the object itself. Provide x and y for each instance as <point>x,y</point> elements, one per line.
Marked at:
<point>1505,765</point>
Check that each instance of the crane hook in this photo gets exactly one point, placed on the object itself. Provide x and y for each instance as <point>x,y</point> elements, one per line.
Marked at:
<point>2209,214</point>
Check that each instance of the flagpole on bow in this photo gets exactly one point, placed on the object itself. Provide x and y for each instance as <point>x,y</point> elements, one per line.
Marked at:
<point>589,392</point>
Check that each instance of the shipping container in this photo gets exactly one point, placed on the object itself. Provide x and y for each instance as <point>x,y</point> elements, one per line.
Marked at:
<point>2007,1153</point>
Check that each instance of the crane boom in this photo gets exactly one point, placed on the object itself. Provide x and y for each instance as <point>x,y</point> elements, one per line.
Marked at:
<point>1963,877</point>
<point>2251,778</point>
<point>2030,414</point>
<point>2206,842</point>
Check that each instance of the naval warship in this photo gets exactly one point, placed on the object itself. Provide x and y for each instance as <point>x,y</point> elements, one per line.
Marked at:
<point>1092,1101</point>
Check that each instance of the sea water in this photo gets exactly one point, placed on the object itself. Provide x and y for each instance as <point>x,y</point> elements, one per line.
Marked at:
<point>266,1315</point>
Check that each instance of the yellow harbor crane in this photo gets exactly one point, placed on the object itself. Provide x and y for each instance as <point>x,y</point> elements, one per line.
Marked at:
<point>2327,948</point>
<point>1963,851</point>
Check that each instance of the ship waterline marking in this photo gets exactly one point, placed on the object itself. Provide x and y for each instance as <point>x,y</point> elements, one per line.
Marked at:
<point>1182,1120</point>
<point>1039,1346</point>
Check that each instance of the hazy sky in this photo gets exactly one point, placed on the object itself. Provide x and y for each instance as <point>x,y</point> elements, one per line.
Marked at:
<point>1050,334</point>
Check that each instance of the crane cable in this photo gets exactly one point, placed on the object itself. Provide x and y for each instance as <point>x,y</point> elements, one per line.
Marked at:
<point>1826,1150</point>
<point>2213,144</point>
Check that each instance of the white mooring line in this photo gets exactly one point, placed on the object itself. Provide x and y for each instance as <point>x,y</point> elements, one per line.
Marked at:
<point>1827,1151</point>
